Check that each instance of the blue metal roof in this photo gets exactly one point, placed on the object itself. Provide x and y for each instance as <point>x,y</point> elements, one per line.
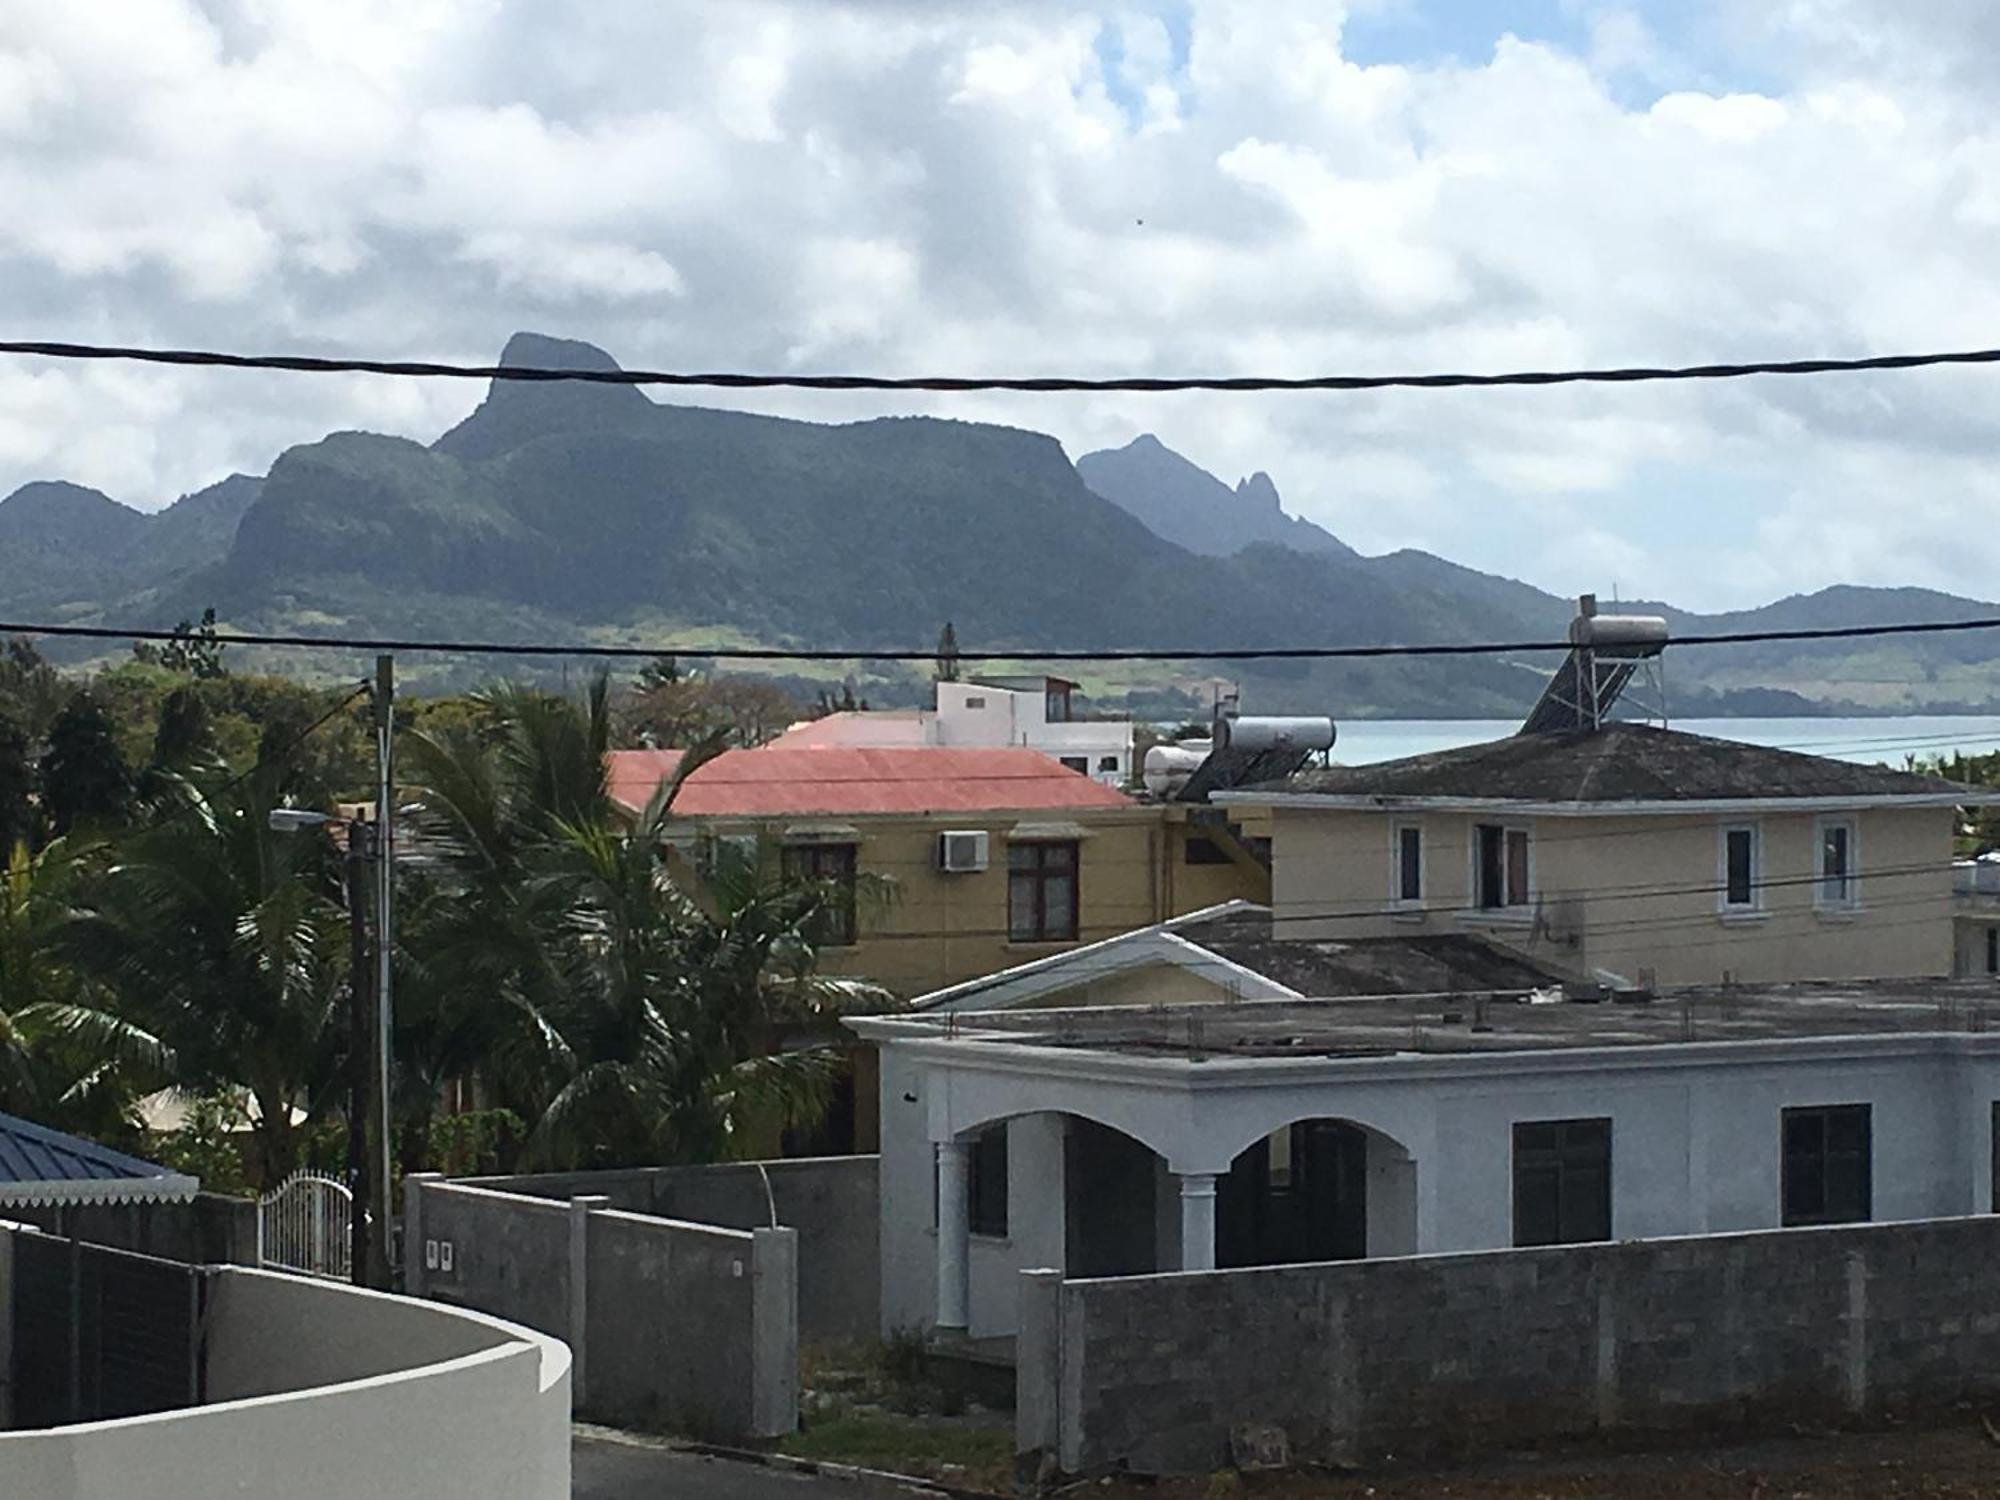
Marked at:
<point>40,1165</point>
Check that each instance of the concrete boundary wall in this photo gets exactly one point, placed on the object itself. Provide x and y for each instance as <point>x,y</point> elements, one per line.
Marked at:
<point>321,1391</point>
<point>832,1201</point>
<point>687,1327</point>
<point>1449,1353</point>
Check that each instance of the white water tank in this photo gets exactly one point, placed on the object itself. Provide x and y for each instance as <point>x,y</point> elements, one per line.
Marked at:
<point>1169,766</point>
<point>1256,734</point>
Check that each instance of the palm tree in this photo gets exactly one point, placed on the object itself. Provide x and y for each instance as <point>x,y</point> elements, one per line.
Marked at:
<point>680,1013</point>
<point>65,1058</point>
<point>632,1019</point>
<point>225,939</point>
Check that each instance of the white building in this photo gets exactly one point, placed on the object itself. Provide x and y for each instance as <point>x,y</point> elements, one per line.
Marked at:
<point>1976,908</point>
<point>1093,1113</point>
<point>1038,712</point>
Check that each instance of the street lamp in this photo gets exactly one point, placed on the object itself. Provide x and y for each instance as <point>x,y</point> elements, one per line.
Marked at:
<point>368,1031</point>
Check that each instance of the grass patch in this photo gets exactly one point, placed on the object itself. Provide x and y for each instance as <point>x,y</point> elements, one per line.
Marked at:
<point>971,1453</point>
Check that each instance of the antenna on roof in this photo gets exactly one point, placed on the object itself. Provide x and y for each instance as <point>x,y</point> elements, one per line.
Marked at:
<point>1605,653</point>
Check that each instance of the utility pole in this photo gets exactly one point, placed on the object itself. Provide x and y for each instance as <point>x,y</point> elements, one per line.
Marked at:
<point>385,940</point>
<point>360,1045</point>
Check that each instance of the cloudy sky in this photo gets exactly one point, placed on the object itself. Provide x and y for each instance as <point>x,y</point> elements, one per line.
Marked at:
<point>1140,186</point>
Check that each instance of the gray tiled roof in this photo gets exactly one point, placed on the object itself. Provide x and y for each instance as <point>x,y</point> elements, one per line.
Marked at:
<point>1618,763</point>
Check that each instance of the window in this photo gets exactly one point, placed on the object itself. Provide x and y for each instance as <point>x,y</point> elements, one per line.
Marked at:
<point>1562,1182</point>
<point>1838,886</point>
<point>1827,1150</point>
<point>832,867</point>
<point>1077,763</point>
<point>1502,866</point>
<point>1409,863</point>
<point>1202,850</point>
<point>975,700</point>
<point>1055,703</point>
<point>1107,764</point>
<point>1041,892</point>
<point>986,1182</point>
<point>1739,869</point>
<point>1993,950</point>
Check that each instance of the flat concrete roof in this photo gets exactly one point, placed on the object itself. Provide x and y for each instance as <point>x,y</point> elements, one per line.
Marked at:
<point>1468,1023</point>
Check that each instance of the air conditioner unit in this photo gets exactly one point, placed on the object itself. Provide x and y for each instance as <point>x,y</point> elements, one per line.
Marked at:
<point>961,851</point>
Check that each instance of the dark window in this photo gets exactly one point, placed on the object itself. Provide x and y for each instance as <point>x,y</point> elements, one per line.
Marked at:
<point>1826,1164</point>
<point>1562,1182</point>
<point>1107,763</point>
<point>1204,851</point>
<point>830,866</point>
<point>1409,863</point>
<point>1077,763</point>
<point>1041,892</point>
<point>1055,703</point>
<point>975,701</point>
<point>1503,866</point>
<point>1836,864</point>
<point>986,1182</point>
<point>1993,950</point>
<point>1740,867</point>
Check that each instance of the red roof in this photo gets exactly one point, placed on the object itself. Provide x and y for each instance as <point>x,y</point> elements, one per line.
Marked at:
<point>634,775</point>
<point>832,779</point>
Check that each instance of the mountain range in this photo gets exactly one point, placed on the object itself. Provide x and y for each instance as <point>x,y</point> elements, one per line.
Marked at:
<point>572,511</point>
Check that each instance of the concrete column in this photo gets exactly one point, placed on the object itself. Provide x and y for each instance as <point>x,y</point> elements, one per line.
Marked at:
<point>1038,1379</point>
<point>954,1166</point>
<point>416,1262</point>
<point>1197,1220</point>
<point>580,1209</point>
<point>774,1332</point>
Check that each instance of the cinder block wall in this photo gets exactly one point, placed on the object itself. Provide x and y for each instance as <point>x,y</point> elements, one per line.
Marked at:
<point>688,1328</point>
<point>832,1201</point>
<point>1455,1352</point>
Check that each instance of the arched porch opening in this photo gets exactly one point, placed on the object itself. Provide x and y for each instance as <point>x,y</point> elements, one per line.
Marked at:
<point>1315,1190</point>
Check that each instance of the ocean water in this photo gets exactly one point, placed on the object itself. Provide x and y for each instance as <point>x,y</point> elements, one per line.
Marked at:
<point>1884,740</point>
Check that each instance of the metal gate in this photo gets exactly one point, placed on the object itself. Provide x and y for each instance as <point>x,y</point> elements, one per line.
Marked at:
<point>102,1333</point>
<point>304,1224</point>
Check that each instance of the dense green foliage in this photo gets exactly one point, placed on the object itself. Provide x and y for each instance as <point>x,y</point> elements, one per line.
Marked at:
<point>159,940</point>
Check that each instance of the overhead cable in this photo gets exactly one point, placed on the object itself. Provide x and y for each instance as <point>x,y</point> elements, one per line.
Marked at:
<point>997,653</point>
<point>430,369</point>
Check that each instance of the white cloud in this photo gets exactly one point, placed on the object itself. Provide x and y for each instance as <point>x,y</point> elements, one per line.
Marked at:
<point>1030,186</point>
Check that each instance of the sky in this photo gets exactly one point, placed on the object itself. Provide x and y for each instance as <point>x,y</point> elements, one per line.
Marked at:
<point>1024,187</point>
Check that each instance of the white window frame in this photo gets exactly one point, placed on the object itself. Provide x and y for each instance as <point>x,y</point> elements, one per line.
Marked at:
<point>1408,906</point>
<point>1851,901</point>
<point>1506,912</point>
<point>1755,906</point>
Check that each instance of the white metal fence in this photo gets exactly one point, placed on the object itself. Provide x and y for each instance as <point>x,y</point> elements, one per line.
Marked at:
<point>304,1224</point>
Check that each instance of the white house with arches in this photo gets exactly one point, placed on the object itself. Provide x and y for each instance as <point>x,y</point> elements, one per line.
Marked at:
<point>1200,1094</point>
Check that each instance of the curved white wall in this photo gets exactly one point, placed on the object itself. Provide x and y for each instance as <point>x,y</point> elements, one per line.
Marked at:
<point>319,1390</point>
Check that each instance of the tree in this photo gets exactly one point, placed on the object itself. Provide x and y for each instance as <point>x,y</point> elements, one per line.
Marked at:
<point>65,1058</point>
<point>745,711</point>
<point>947,654</point>
<point>17,783</point>
<point>85,783</point>
<point>224,940</point>
<point>629,1018</point>
<point>659,672</point>
<point>193,649</point>
<point>31,689</point>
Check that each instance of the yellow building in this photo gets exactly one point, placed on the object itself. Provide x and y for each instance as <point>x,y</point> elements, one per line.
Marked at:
<point>963,861</point>
<point>1647,854</point>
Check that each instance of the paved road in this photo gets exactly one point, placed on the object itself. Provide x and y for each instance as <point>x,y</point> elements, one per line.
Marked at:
<point>609,1468</point>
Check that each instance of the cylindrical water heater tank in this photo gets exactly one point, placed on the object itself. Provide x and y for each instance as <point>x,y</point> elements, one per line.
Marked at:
<point>1625,631</point>
<point>1257,734</point>
<point>1169,766</point>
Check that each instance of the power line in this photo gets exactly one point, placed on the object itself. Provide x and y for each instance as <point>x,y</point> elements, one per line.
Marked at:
<point>998,653</point>
<point>426,369</point>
